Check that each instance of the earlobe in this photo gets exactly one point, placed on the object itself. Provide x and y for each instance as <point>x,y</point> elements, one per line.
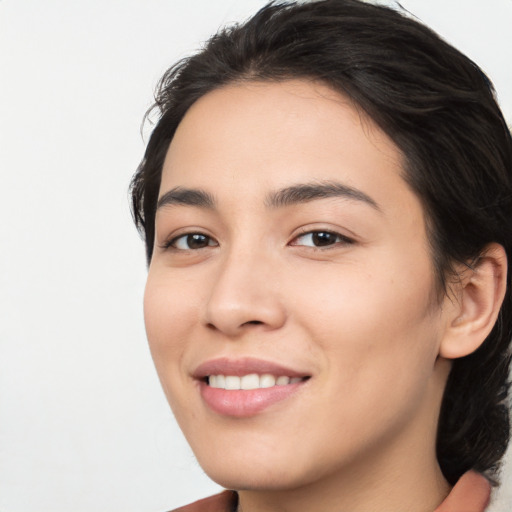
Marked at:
<point>479,294</point>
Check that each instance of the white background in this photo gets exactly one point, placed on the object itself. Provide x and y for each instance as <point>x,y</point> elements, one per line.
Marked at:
<point>84,425</point>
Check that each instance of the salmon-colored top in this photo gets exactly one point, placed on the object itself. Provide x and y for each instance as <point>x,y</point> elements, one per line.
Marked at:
<point>471,494</point>
<point>224,502</point>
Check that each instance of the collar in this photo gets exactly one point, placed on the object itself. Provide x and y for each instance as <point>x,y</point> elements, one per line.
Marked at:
<point>471,494</point>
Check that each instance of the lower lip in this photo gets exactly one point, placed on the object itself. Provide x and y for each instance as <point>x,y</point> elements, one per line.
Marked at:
<point>244,403</point>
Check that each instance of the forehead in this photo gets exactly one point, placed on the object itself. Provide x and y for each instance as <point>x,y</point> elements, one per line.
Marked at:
<point>245,139</point>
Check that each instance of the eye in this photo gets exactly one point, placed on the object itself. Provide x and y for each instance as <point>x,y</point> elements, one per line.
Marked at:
<point>191,241</point>
<point>321,239</point>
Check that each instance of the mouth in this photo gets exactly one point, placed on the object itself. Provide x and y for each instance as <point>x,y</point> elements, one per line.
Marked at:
<point>250,381</point>
<point>246,387</point>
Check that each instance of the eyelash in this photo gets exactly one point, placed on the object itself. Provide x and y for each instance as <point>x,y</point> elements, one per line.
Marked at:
<point>171,244</point>
<point>339,240</point>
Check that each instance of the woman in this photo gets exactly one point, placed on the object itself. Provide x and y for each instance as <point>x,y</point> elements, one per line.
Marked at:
<point>327,208</point>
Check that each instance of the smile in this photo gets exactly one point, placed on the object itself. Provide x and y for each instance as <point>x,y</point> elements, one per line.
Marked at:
<point>246,387</point>
<point>251,381</point>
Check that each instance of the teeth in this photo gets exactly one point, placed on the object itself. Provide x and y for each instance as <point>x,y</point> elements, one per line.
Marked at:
<point>251,381</point>
<point>232,382</point>
<point>267,381</point>
<point>217,381</point>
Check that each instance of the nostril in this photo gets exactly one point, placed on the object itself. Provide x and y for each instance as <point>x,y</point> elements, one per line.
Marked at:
<point>253,322</point>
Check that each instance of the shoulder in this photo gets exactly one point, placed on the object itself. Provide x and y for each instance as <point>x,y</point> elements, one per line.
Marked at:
<point>223,502</point>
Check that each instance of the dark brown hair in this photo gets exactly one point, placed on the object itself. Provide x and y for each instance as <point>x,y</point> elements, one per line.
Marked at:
<point>439,109</point>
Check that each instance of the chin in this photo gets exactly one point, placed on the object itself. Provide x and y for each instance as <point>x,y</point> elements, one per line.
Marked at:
<point>253,478</point>
<point>277,470</point>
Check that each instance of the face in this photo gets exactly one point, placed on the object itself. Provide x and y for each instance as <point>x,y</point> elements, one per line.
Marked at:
<point>291,259</point>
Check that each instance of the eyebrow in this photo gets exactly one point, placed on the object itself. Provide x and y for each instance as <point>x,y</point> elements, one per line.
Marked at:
<point>303,193</point>
<point>294,194</point>
<point>186,197</point>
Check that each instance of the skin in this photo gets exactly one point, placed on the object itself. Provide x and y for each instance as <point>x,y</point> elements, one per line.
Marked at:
<point>358,315</point>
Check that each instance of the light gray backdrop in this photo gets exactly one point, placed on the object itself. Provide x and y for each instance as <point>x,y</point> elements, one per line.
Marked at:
<point>83,423</point>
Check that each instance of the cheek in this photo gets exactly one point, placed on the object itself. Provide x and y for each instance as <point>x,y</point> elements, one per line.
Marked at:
<point>373,324</point>
<point>378,350</point>
<point>168,314</point>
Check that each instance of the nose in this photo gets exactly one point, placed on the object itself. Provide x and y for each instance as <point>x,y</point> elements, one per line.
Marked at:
<point>245,295</point>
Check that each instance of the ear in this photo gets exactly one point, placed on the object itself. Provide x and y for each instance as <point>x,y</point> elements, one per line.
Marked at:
<point>476,300</point>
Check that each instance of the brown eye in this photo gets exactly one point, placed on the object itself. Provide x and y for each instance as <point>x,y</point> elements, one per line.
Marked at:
<point>321,239</point>
<point>192,241</point>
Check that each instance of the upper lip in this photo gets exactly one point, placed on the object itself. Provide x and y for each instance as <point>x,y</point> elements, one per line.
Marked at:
<point>244,366</point>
